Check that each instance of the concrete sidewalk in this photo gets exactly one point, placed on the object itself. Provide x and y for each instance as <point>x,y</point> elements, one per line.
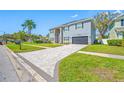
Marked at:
<point>102,55</point>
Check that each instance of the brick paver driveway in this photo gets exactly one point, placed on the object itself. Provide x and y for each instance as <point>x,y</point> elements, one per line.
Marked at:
<point>46,59</point>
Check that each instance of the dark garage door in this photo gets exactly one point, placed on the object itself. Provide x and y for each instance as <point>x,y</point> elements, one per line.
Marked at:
<point>80,40</point>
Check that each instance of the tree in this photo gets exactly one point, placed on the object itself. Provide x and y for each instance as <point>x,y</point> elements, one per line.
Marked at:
<point>29,24</point>
<point>20,35</point>
<point>102,21</point>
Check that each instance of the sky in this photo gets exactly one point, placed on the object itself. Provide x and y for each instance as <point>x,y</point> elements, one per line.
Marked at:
<point>11,20</point>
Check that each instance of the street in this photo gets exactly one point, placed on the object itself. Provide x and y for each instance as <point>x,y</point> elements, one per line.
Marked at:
<point>7,71</point>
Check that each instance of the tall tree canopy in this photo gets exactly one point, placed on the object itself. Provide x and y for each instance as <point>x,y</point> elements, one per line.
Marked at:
<point>102,21</point>
<point>29,25</point>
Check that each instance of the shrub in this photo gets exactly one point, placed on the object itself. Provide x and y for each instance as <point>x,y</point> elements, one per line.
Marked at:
<point>49,41</point>
<point>38,41</point>
<point>122,43</point>
<point>97,42</point>
<point>115,42</point>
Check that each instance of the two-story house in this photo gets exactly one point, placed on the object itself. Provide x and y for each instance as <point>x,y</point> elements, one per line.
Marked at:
<point>75,32</point>
<point>117,28</point>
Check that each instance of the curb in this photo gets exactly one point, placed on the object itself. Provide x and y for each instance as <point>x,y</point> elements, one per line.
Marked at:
<point>39,71</point>
<point>34,76</point>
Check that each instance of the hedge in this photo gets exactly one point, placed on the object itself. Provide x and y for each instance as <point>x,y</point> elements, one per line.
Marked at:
<point>38,41</point>
<point>116,42</point>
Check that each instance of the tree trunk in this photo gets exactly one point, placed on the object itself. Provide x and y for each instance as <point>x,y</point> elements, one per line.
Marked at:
<point>29,32</point>
<point>101,37</point>
<point>20,46</point>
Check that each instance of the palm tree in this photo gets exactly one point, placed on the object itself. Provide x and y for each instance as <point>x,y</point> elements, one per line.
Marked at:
<point>29,24</point>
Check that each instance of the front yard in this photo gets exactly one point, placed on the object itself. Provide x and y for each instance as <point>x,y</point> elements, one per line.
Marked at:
<point>105,49</point>
<point>44,44</point>
<point>25,48</point>
<point>80,67</point>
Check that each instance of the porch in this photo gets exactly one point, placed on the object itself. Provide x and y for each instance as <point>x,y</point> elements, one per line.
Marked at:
<point>58,35</point>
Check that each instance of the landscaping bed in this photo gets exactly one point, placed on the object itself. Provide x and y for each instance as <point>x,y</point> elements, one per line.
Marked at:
<point>25,48</point>
<point>87,68</point>
<point>117,50</point>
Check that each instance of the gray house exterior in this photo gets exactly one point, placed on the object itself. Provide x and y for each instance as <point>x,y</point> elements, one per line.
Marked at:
<point>117,28</point>
<point>75,32</point>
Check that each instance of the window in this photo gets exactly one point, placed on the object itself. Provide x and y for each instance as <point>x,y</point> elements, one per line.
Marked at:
<point>122,22</point>
<point>66,29</point>
<point>79,26</point>
<point>120,35</point>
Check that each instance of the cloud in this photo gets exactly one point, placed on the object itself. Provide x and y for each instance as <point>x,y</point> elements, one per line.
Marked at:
<point>118,11</point>
<point>74,16</point>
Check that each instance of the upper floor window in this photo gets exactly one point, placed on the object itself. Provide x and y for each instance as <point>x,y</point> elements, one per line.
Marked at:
<point>66,29</point>
<point>79,26</point>
<point>122,22</point>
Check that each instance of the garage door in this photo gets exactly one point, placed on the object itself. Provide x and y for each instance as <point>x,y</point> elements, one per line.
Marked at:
<point>80,40</point>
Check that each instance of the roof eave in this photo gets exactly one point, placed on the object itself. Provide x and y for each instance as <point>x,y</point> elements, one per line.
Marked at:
<point>73,22</point>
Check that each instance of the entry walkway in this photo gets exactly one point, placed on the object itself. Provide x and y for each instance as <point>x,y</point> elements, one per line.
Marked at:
<point>103,55</point>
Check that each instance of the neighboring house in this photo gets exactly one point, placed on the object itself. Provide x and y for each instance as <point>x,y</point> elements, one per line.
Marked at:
<point>117,28</point>
<point>75,32</point>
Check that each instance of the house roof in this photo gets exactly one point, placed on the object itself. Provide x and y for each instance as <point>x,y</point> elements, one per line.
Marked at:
<point>118,17</point>
<point>73,22</point>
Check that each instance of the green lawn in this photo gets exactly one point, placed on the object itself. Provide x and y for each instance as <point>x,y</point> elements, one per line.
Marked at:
<point>105,49</point>
<point>25,48</point>
<point>80,67</point>
<point>44,44</point>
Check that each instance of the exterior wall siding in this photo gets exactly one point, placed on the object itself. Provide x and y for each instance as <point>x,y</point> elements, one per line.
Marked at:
<point>118,23</point>
<point>86,30</point>
<point>113,33</point>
